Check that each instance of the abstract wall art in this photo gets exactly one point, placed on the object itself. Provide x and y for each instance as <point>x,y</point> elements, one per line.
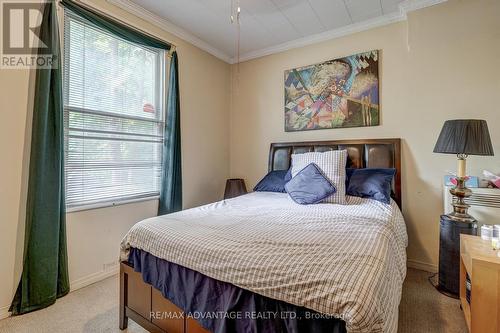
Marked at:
<point>337,93</point>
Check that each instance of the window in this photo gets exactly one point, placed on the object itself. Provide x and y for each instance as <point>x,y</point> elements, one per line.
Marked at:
<point>113,117</point>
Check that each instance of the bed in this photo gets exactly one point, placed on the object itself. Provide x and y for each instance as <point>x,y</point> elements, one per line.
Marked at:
<point>261,263</point>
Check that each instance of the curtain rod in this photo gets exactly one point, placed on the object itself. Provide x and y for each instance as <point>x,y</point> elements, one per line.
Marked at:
<point>109,16</point>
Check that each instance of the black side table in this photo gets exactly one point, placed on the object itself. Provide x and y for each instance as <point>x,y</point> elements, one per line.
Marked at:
<point>449,254</point>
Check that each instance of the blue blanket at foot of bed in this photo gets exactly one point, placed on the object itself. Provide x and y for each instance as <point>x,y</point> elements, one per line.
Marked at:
<point>221,307</point>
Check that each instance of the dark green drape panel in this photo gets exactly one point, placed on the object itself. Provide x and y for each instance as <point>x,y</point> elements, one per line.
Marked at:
<point>45,262</point>
<point>171,183</point>
<point>114,27</point>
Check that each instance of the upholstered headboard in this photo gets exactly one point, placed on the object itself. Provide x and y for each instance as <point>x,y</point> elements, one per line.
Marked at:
<point>364,153</point>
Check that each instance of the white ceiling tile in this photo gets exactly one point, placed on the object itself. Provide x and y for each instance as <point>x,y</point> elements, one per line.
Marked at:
<point>301,15</point>
<point>259,7</point>
<point>215,4</point>
<point>208,27</point>
<point>278,27</point>
<point>264,23</point>
<point>286,3</point>
<point>253,34</point>
<point>390,6</point>
<point>269,16</point>
<point>171,7</point>
<point>361,10</point>
<point>331,13</point>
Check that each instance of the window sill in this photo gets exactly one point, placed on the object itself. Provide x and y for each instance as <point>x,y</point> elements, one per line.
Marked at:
<point>108,204</point>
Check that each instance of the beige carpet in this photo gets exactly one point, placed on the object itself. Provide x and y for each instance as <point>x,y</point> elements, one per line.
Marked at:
<point>423,309</point>
<point>95,309</point>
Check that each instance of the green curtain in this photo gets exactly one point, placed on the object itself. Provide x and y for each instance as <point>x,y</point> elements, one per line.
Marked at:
<point>45,263</point>
<point>171,184</point>
<point>114,27</point>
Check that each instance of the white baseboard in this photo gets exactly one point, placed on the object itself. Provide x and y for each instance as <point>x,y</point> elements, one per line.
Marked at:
<point>93,278</point>
<point>423,266</point>
<point>4,312</point>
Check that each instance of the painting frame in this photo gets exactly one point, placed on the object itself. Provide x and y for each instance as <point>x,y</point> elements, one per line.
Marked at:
<point>342,92</point>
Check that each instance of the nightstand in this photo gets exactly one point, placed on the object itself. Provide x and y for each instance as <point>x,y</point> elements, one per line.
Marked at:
<point>481,263</point>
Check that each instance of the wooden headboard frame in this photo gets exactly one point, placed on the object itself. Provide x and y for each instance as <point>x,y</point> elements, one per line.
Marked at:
<point>363,153</point>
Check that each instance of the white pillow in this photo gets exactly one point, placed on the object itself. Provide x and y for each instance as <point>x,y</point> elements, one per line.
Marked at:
<point>332,163</point>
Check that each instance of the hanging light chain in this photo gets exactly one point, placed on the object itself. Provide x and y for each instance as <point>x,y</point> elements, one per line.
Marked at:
<point>235,19</point>
<point>235,11</point>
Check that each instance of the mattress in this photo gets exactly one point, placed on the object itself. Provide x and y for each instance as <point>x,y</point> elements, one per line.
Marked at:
<point>346,261</point>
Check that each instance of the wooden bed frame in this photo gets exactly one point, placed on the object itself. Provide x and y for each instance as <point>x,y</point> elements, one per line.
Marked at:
<point>146,305</point>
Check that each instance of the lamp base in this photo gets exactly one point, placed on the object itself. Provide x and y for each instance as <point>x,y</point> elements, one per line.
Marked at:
<point>445,292</point>
<point>449,254</point>
<point>459,214</point>
<point>463,218</point>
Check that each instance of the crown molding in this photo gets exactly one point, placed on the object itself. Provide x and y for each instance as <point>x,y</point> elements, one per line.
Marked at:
<point>168,26</point>
<point>404,8</point>
<point>412,5</point>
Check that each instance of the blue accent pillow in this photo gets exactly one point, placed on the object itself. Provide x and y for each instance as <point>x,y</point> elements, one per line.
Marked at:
<point>274,181</point>
<point>309,186</point>
<point>372,183</point>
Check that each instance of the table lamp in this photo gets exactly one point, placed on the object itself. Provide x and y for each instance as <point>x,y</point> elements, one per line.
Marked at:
<point>463,137</point>
<point>234,187</point>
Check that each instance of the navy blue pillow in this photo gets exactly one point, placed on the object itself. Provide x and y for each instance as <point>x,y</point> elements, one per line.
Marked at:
<point>274,181</point>
<point>348,174</point>
<point>309,186</point>
<point>373,183</point>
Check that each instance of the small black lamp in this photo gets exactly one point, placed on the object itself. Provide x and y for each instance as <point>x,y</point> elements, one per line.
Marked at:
<point>463,137</point>
<point>234,187</point>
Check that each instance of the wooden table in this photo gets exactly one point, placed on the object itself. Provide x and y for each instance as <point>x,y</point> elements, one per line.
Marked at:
<point>482,263</point>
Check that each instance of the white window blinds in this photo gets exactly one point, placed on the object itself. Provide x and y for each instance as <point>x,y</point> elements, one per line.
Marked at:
<point>113,117</point>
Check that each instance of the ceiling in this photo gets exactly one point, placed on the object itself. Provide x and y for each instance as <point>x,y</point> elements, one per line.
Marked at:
<point>268,26</point>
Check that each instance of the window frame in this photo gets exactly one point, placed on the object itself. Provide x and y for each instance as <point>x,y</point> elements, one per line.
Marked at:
<point>161,81</point>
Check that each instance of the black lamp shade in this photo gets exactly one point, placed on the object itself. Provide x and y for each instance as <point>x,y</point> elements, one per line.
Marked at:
<point>234,187</point>
<point>464,136</point>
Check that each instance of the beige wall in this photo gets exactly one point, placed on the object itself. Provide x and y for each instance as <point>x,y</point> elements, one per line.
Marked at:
<point>94,236</point>
<point>13,106</point>
<point>440,64</point>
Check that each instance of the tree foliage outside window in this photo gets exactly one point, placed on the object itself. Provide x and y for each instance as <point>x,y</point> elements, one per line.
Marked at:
<point>114,116</point>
